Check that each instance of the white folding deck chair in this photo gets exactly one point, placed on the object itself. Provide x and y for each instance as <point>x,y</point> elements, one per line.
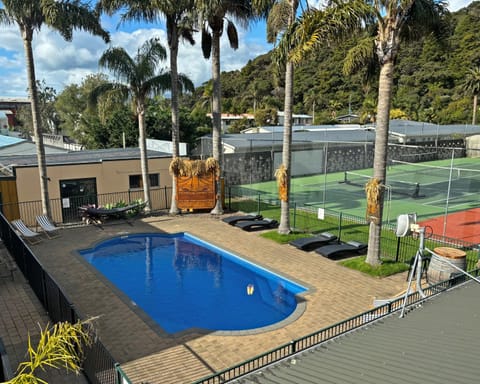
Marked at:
<point>32,236</point>
<point>50,230</point>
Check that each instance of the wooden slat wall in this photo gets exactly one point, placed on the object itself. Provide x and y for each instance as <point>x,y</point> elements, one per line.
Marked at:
<point>8,189</point>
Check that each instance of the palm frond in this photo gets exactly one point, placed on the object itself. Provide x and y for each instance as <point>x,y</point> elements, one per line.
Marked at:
<point>327,26</point>
<point>120,90</point>
<point>187,35</point>
<point>232,35</point>
<point>206,43</point>
<point>426,17</point>
<point>360,55</point>
<point>277,20</point>
<point>67,16</point>
<point>152,51</point>
<point>5,19</point>
<point>157,84</point>
<point>186,85</point>
<point>118,61</point>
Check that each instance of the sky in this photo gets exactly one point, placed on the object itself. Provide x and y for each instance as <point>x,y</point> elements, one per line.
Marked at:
<point>60,63</point>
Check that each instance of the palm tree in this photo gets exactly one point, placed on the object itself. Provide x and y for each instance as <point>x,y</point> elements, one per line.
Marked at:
<point>392,23</point>
<point>137,78</point>
<point>310,100</point>
<point>471,85</point>
<point>213,16</point>
<point>282,17</point>
<point>64,17</point>
<point>179,25</point>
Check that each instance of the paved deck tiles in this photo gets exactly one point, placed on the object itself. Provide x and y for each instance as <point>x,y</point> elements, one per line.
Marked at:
<point>144,352</point>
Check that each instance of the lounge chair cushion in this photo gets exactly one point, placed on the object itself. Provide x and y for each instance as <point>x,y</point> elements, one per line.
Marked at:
<point>310,243</point>
<point>252,225</point>
<point>334,250</point>
<point>232,220</point>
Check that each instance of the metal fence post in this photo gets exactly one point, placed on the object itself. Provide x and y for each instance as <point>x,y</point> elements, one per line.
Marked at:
<point>339,226</point>
<point>229,198</point>
<point>294,215</point>
<point>398,249</point>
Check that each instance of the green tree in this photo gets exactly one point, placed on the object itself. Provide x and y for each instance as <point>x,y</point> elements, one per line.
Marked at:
<point>391,23</point>
<point>213,16</point>
<point>74,111</point>
<point>471,85</point>
<point>46,106</point>
<point>266,116</point>
<point>137,79</point>
<point>64,17</point>
<point>179,22</point>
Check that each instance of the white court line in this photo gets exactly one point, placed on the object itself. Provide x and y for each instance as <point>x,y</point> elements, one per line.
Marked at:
<point>431,203</point>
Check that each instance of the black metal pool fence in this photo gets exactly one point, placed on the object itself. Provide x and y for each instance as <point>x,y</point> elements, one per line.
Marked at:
<point>98,366</point>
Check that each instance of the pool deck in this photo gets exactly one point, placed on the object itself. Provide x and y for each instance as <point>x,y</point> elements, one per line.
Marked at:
<point>146,354</point>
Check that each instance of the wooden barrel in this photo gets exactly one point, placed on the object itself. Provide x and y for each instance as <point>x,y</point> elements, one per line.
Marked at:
<point>442,264</point>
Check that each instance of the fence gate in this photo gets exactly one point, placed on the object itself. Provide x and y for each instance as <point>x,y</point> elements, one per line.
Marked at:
<point>75,193</point>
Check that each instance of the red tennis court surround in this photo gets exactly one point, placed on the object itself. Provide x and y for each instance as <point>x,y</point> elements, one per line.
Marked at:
<point>463,225</point>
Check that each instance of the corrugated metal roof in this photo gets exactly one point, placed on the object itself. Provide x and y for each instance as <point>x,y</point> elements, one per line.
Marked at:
<point>77,157</point>
<point>436,343</point>
<point>9,140</point>
<point>26,148</point>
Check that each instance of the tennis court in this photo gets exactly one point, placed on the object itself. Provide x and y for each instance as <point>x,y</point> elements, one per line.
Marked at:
<point>436,189</point>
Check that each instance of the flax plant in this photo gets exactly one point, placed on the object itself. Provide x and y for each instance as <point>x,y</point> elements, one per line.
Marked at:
<point>60,346</point>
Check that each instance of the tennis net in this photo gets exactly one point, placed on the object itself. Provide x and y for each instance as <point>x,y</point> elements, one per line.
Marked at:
<point>400,187</point>
<point>431,174</point>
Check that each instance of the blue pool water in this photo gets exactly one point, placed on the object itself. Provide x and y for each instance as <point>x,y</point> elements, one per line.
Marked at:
<point>183,282</point>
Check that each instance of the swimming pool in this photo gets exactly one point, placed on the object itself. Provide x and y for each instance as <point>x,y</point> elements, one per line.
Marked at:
<point>182,282</point>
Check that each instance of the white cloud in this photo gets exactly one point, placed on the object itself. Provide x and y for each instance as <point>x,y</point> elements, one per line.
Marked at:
<point>458,4</point>
<point>60,63</point>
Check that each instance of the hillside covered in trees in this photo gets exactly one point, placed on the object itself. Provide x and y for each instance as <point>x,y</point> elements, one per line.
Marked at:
<point>428,81</point>
<point>429,85</point>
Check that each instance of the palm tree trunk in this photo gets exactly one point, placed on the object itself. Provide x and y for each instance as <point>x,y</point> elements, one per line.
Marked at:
<point>36,122</point>
<point>217,117</point>
<point>475,100</point>
<point>175,118</point>
<point>142,142</point>
<point>284,227</point>
<point>380,157</point>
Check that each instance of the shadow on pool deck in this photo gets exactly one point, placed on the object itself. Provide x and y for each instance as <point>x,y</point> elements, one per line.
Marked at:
<point>149,355</point>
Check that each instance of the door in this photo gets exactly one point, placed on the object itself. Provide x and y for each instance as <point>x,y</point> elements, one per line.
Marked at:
<point>75,193</point>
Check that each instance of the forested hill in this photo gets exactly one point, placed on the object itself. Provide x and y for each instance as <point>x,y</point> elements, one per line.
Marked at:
<point>428,80</point>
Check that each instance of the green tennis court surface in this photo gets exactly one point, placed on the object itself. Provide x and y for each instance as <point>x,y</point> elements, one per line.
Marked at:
<point>430,189</point>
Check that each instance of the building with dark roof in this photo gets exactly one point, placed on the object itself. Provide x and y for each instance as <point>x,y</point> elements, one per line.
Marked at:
<point>75,178</point>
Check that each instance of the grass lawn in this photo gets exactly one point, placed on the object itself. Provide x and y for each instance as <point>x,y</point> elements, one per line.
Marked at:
<point>387,268</point>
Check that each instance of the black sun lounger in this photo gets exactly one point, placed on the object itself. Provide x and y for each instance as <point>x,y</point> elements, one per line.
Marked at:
<point>232,220</point>
<point>310,243</point>
<point>334,250</point>
<point>254,225</point>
